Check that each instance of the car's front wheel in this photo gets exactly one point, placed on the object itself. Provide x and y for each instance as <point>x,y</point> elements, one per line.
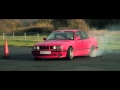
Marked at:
<point>70,53</point>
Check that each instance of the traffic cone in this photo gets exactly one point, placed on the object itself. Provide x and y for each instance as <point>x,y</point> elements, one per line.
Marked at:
<point>6,50</point>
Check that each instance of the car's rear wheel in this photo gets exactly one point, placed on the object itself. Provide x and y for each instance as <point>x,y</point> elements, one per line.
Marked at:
<point>70,53</point>
<point>93,52</point>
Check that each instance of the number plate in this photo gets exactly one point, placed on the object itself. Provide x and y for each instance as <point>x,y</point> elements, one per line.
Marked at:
<point>45,52</point>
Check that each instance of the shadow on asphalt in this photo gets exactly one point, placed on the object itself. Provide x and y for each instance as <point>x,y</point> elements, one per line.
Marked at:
<point>24,54</point>
<point>29,57</point>
<point>81,58</point>
<point>24,57</point>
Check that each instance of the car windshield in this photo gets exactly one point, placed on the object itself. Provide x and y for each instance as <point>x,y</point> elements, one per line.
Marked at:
<point>61,35</point>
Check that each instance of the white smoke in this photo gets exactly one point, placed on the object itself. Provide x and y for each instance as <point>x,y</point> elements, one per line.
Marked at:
<point>113,27</point>
<point>105,40</point>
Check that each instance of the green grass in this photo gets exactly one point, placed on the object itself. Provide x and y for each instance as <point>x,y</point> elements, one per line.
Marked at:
<point>19,43</point>
<point>22,40</point>
<point>28,38</point>
<point>103,42</point>
<point>108,45</point>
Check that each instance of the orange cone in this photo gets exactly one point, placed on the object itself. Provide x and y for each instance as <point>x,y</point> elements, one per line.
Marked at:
<point>6,50</point>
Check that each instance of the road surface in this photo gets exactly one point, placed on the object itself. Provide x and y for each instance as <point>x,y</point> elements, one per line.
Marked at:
<point>21,59</point>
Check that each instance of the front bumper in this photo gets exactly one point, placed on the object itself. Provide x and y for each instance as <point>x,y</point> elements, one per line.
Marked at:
<point>54,54</point>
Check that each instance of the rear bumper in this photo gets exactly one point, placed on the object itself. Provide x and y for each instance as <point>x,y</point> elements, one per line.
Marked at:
<point>54,54</point>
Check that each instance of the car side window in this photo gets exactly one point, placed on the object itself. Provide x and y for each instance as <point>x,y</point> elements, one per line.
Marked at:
<point>84,35</point>
<point>78,34</point>
<point>70,35</point>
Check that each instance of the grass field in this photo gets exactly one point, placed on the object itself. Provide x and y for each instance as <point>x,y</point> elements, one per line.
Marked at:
<point>22,39</point>
<point>18,43</point>
<point>106,39</point>
<point>111,45</point>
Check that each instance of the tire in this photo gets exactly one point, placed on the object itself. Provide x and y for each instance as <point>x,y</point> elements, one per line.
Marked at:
<point>69,53</point>
<point>93,52</point>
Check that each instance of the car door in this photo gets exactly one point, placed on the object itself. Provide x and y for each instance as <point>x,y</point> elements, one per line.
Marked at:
<point>79,44</point>
<point>86,41</point>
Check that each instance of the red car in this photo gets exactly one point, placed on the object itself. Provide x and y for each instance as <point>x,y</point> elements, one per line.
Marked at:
<point>66,44</point>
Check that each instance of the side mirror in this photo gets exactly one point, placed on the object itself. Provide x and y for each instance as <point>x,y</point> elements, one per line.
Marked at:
<point>44,38</point>
<point>78,38</point>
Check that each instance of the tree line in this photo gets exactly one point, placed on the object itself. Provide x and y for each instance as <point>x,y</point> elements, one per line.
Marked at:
<point>42,25</point>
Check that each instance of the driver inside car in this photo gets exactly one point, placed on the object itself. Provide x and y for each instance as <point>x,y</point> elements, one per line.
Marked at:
<point>60,36</point>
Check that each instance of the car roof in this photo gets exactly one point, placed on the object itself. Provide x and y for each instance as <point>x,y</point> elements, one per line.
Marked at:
<point>73,30</point>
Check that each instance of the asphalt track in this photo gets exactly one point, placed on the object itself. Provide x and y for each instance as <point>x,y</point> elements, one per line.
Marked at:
<point>21,59</point>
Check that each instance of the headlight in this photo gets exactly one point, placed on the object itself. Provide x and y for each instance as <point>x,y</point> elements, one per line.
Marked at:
<point>54,47</point>
<point>37,47</point>
<point>59,47</point>
<point>34,47</point>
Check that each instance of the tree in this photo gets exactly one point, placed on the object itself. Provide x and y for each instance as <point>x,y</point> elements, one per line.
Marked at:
<point>77,24</point>
<point>101,23</point>
<point>9,25</point>
<point>59,23</point>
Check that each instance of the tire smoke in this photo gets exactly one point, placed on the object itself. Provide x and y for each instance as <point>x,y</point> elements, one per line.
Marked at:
<point>108,41</point>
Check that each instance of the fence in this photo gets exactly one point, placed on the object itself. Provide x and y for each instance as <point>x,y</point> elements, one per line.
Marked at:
<point>102,36</point>
<point>26,36</point>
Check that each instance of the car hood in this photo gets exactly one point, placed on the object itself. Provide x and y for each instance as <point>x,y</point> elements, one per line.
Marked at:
<point>55,42</point>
